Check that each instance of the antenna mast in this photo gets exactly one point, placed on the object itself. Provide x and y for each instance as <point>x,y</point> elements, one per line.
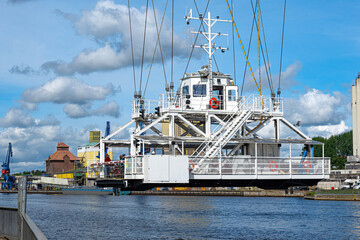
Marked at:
<point>210,47</point>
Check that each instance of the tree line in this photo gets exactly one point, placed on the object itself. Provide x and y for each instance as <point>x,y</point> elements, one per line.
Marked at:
<point>337,147</point>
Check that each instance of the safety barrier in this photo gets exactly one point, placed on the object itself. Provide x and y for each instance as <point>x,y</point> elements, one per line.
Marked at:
<point>246,165</point>
<point>172,102</point>
<point>15,223</point>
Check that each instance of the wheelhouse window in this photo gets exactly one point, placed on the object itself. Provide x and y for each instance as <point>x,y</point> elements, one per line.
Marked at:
<point>199,90</point>
<point>231,95</point>
<point>186,90</point>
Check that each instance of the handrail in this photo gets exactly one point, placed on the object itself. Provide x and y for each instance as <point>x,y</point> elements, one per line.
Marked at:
<point>213,136</point>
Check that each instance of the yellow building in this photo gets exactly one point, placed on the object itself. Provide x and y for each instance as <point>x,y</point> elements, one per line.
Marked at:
<point>90,153</point>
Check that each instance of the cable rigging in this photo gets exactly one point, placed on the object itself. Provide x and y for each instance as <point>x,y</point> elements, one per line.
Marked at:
<point>143,47</point>
<point>157,42</point>
<point>258,31</point>
<point>233,43</point>
<point>242,46</point>
<point>282,44</point>
<point>132,51</point>
<point>172,47</point>
<point>267,56</point>
<point>266,62</point>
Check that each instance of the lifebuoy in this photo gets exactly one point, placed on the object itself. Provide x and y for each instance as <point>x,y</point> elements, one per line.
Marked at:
<point>273,169</point>
<point>214,103</point>
<point>307,166</point>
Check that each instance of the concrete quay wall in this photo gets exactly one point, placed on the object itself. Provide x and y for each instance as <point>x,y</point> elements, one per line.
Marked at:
<point>337,197</point>
<point>265,193</point>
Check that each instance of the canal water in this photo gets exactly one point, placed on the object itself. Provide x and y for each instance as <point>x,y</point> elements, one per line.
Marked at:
<point>189,217</point>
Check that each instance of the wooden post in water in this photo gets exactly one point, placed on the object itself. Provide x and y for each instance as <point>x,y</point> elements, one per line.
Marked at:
<point>21,206</point>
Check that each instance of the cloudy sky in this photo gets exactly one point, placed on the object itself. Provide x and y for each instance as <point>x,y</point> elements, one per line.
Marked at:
<point>66,66</point>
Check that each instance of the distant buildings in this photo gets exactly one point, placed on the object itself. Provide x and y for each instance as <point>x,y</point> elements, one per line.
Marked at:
<point>90,153</point>
<point>60,161</point>
<point>356,116</point>
<point>353,162</point>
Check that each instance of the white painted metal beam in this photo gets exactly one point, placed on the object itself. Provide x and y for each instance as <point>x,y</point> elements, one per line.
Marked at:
<point>190,125</point>
<point>119,130</point>
<point>152,124</point>
<point>292,127</point>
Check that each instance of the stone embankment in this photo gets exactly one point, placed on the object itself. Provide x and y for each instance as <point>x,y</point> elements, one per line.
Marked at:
<point>261,193</point>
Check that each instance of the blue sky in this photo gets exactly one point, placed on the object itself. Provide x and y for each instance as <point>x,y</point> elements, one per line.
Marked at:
<point>65,66</point>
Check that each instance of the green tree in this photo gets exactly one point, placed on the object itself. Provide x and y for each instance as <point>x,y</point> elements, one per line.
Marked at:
<point>337,147</point>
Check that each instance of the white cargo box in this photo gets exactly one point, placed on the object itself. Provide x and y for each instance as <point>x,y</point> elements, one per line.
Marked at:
<point>166,169</point>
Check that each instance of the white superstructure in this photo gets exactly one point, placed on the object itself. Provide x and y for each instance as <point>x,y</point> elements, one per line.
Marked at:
<point>206,134</point>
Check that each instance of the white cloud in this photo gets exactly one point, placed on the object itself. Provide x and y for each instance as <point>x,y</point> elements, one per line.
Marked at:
<point>80,111</point>
<point>108,23</point>
<point>67,90</point>
<point>287,78</point>
<point>316,107</point>
<point>27,105</point>
<point>32,145</point>
<point>16,118</point>
<point>327,130</point>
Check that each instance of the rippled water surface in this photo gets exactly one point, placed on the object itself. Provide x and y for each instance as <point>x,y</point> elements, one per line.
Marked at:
<point>189,217</point>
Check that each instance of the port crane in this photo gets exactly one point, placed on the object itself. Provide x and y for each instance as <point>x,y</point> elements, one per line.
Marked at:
<point>8,181</point>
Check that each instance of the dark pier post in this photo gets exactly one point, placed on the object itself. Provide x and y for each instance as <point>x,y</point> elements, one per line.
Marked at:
<point>116,191</point>
<point>21,206</point>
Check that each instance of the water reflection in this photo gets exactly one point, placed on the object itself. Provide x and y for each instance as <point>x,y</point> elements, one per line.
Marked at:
<point>154,217</point>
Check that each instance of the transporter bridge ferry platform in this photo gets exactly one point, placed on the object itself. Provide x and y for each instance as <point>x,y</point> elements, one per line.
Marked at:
<point>205,134</point>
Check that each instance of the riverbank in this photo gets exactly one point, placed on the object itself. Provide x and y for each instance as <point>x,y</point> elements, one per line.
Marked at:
<point>240,193</point>
<point>322,195</point>
<point>259,193</point>
<point>334,195</point>
<point>34,192</point>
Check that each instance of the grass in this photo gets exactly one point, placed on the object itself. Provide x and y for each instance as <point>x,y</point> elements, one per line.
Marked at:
<point>338,191</point>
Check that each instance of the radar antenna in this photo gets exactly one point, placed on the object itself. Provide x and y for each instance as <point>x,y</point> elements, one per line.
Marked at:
<point>210,47</point>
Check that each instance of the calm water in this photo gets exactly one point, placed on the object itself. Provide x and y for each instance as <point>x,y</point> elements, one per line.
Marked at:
<point>177,217</point>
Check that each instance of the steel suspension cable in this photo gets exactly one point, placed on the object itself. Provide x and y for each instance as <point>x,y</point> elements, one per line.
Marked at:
<point>161,54</point>
<point>267,55</point>
<point>172,46</point>
<point>157,42</point>
<point>197,35</point>
<point>242,46</point>
<point>282,45</point>
<point>132,48</point>
<point>248,51</point>
<point>233,43</point>
<point>258,31</point>
<point>144,41</point>
<point>266,63</point>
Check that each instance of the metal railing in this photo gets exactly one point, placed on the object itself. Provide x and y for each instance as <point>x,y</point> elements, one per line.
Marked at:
<point>113,169</point>
<point>134,166</point>
<point>246,165</point>
<point>173,102</point>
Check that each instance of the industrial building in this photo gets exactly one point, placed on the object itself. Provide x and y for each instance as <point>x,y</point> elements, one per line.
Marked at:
<point>353,162</point>
<point>355,116</point>
<point>60,161</point>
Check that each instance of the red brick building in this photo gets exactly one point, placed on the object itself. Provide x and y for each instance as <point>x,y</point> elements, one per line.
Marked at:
<point>62,160</point>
